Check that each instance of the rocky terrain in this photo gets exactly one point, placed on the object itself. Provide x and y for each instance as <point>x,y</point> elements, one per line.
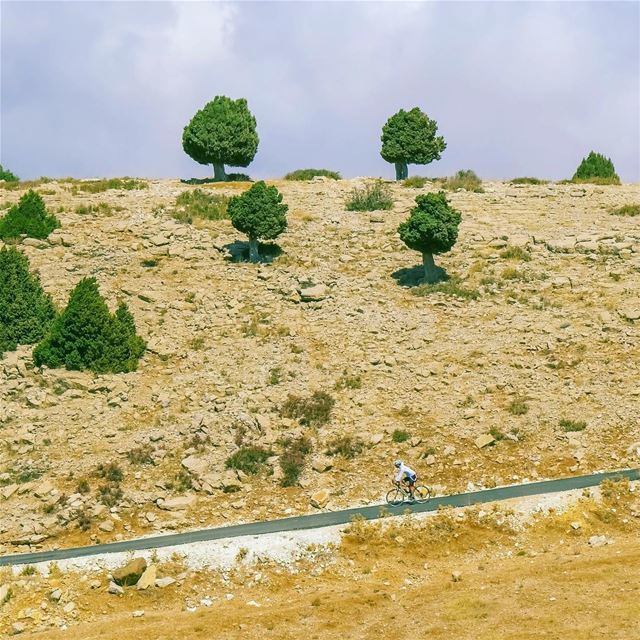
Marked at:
<point>526,366</point>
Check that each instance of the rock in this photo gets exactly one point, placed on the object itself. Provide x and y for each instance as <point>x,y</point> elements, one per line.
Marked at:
<point>630,312</point>
<point>138,614</point>
<point>167,581</point>
<point>314,294</point>
<point>106,526</point>
<point>576,525</point>
<point>43,489</point>
<point>69,607</point>
<point>498,243</point>
<point>456,576</point>
<point>598,541</point>
<point>95,584</point>
<point>8,491</point>
<point>114,589</point>
<point>4,593</point>
<point>431,459</point>
<point>130,573</point>
<point>17,627</point>
<point>195,466</point>
<point>179,503</point>
<point>55,595</point>
<point>376,438</point>
<point>320,498</point>
<point>321,464</point>
<point>148,578</point>
<point>484,440</point>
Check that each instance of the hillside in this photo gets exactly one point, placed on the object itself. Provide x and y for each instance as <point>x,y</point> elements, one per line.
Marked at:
<point>539,324</point>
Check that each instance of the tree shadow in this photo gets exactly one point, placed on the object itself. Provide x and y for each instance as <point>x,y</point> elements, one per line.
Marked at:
<point>414,276</point>
<point>238,251</point>
<point>231,177</point>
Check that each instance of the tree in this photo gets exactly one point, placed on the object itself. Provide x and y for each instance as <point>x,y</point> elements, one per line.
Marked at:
<point>260,213</point>
<point>595,165</point>
<point>30,217</point>
<point>432,227</point>
<point>86,336</point>
<point>26,311</point>
<point>222,132</point>
<point>409,137</point>
<point>7,175</point>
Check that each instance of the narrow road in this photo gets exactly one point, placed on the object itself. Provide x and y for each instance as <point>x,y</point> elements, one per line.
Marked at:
<point>324,519</point>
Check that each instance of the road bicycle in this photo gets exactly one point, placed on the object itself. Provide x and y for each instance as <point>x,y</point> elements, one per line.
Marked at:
<point>400,494</point>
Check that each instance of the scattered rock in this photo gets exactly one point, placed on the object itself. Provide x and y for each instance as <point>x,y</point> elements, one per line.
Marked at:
<point>17,628</point>
<point>138,614</point>
<point>376,438</point>
<point>115,589</point>
<point>107,526</point>
<point>130,573</point>
<point>69,607</point>
<point>55,595</point>
<point>456,576</point>
<point>314,294</point>
<point>321,464</point>
<point>598,541</point>
<point>320,498</point>
<point>484,440</point>
<point>179,503</point>
<point>148,578</point>
<point>195,466</point>
<point>4,593</point>
<point>167,581</point>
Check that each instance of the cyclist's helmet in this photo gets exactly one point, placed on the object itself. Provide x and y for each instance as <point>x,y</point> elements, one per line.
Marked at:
<point>397,463</point>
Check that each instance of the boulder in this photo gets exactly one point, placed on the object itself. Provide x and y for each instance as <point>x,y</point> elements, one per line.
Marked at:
<point>321,464</point>
<point>195,466</point>
<point>314,294</point>
<point>320,498</point>
<point>179,503</point>
<point>484,440</point>
<point>148,578</point>
<point>130,573</point>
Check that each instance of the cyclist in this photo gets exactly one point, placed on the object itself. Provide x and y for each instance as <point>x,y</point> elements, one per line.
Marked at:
<point>407,476</point>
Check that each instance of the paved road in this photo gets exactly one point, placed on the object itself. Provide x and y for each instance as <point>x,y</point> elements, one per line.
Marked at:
<point>324,519</point>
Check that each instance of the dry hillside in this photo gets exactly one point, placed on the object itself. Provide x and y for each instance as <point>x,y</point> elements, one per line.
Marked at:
<point>539,324</point>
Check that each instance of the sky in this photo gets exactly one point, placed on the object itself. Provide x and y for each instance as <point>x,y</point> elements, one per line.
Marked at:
<point>517,88</point>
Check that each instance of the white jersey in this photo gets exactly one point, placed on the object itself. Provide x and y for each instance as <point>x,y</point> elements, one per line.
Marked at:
<point>405,471</point>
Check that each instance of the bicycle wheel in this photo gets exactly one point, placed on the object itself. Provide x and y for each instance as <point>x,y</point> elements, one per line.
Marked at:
<point>422,494</point>
<point>395,497</point>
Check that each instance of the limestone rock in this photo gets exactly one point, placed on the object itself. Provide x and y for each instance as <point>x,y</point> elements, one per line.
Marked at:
<point>179,503</point>
<point>321,464</point>
<point>115,589</point>
<point>484,440</point>
<point>315,293</point>
<point>195,466</point>
<point>320,498</point>
<point>148,578</point>
<point>167,581</point>
<point>130,573</point>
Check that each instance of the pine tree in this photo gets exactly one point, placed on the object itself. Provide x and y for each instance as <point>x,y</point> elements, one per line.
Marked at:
<point>29,217</point>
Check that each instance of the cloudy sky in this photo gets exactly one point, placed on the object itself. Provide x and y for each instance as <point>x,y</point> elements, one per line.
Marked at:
<point>517,88</point>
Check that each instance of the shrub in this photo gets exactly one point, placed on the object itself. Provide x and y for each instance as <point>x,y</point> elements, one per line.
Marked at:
<point>292,460</point>
<point>149,262</point>
<point>399,435</point>
<point>348,381</point>
<point>373,197</point>
<point>464,179</point>
<point>248,459</point>
<point>110,494</point>
<point>98,186</point>
<point>409,137</point>
<point>345,446</point>
<point>141,455</point>
<point>200,204</point>
<point>432,228</point>
<point>86,336</point>
<point>627,210</point>
<point>111,472</point>
<point>518,407</point>
<point>572,425</point>
<point>526,180</point>
<point>598,167</point>
<point>83,486</point>
<point>102,208</point>
<point>222,132</point>
<point>28,217</point>
<point>451,287</point>
<point>260,213</point>
<point>7,176</point>
<point>516,253</point>
<point>308,174</point>
<point>26,311</point>
<point>414,182</point>
<point>312,411</point>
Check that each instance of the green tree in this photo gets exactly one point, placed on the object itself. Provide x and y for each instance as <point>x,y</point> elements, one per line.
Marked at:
<point>26,311</point>
<point>431,228</point>
<point>7,175</point>
<point>30,217</point>
<point>595,165</point>
<point>86,336</point>
<point>222,132</point>
<point>409,137</point>
<point>260,213</point>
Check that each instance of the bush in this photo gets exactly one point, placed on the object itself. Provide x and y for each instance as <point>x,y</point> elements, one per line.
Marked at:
<point>26,311</point>
<point>348,381</point>
<point>7,176</point>
<point>308,174</point>
<point>415,182</point>
<point>222,132</point>
<point>102,208</point>
<point>373,197</point>
<point>312,411</point>
<point>431,228</point>
<point>110,494</point>
<point>516,253</point>
<point>572,425</point>
<point>292,460</point>
<point>526,180</point>
<point>464,179</point>
<point>111,472</point>
<point>345,446</point>
<point>86,336</point>
<point>141,455</point>
<point>260,213</point>
<point>630,210</point>
<point>518,407</point>
<point>200,204</point>
<point>399,435</point>
<point>28,217</point>
<point>98,186</point>
<point>248,459</point>
<point>598,167</point>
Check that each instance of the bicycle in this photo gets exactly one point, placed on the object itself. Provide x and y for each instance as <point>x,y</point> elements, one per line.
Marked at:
<point>399,494</point>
